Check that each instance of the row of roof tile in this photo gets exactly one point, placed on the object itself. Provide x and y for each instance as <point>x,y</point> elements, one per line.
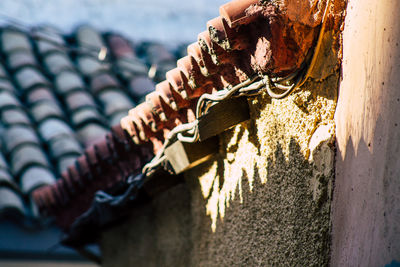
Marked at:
<point>249,38</point>
<point>102,165</point>
<point>220,58</point>
<point>56,98</point>
<point>224,55</point>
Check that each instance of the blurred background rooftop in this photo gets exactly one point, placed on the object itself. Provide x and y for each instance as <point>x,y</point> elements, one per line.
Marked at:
<point>156,20</point>
<point>170,22</point>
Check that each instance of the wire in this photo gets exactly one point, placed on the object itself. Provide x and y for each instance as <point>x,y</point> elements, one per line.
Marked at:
<point>288,89</point>
<point>299,78</point>
<point>250,87</point>
<point>189,132</point>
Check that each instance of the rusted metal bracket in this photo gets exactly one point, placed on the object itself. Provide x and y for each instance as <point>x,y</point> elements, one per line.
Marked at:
<point>182,156</point>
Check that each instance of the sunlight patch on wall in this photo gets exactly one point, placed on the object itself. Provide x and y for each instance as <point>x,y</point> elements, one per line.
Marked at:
<point>248,148</point>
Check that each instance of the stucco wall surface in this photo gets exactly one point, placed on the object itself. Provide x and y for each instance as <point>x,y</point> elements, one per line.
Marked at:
<point>366,209</point>
<point>264,200</point>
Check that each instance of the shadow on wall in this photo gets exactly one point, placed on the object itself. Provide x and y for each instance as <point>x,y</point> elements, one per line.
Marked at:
<point>305,117</point>
<point>367,195</point>
<point>266,196</point>
<point>281,218</point>
<point>251,149</point>
<point>267,214</point>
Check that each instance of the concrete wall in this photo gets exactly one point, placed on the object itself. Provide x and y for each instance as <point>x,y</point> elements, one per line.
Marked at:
<point>366,210</point>
<point>22,263</point>
<point>264,200</point>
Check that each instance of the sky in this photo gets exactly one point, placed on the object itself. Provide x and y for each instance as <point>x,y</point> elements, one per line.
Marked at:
<point>160,20</point>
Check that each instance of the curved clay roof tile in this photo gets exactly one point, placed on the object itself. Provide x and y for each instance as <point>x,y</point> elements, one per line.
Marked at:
<point>158,106</point>
<point>217,32</point>
<point>174,77</point>
<point>236,12</point>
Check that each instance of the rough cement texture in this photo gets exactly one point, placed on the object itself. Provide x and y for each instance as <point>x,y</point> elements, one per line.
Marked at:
<point>155,235</point>
<point>264,200</point>
<point>260,202</point>
<point>366,208</point>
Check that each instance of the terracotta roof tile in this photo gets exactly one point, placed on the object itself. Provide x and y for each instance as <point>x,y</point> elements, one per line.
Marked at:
<point>128,65</point>
<point>159,106</point>
<point>57,62</point>
<point>160,59</point>
<point>157,53</point>
<point>141,86</point>
<point>189,67</point>
<point>12,39</point>
<point>6,180</point>
<point>129,69</point>
<point>64,146</point>
<point>120,47</point>
<point>68,81</point>
<point>14,117</point>
<point>178,83</point>
<point>83,167</point>
<point>74,177</point>
<point>3,72</point>
<point>54,128</point>
<point>91,133</point>
<point>91,157</point>
<point>78,100</point>
<point>3,162</point>
<point>36,177</point>
<point>20,59</point>
<point>206,64</point>
<point>29,77</point>
<point>103,81</point>
<point>49,46</point>
<point>90,65</point>
<point>19,135</point>
<point>114,101</point>
<point>25,156</point>
<point>40,94</point>
<point>88,36</point>
<point>169,96</point>
<point>11,204</point>
<point>5,85</point>
<point>97,160</point>
<point>45,110</point>
<point>85,116</point>
<point>115,118</point>
<point>237,12</point>
<point>217,33</point>
<point>8,100</point>
<point>65,161</point>
<point>48,39</point>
